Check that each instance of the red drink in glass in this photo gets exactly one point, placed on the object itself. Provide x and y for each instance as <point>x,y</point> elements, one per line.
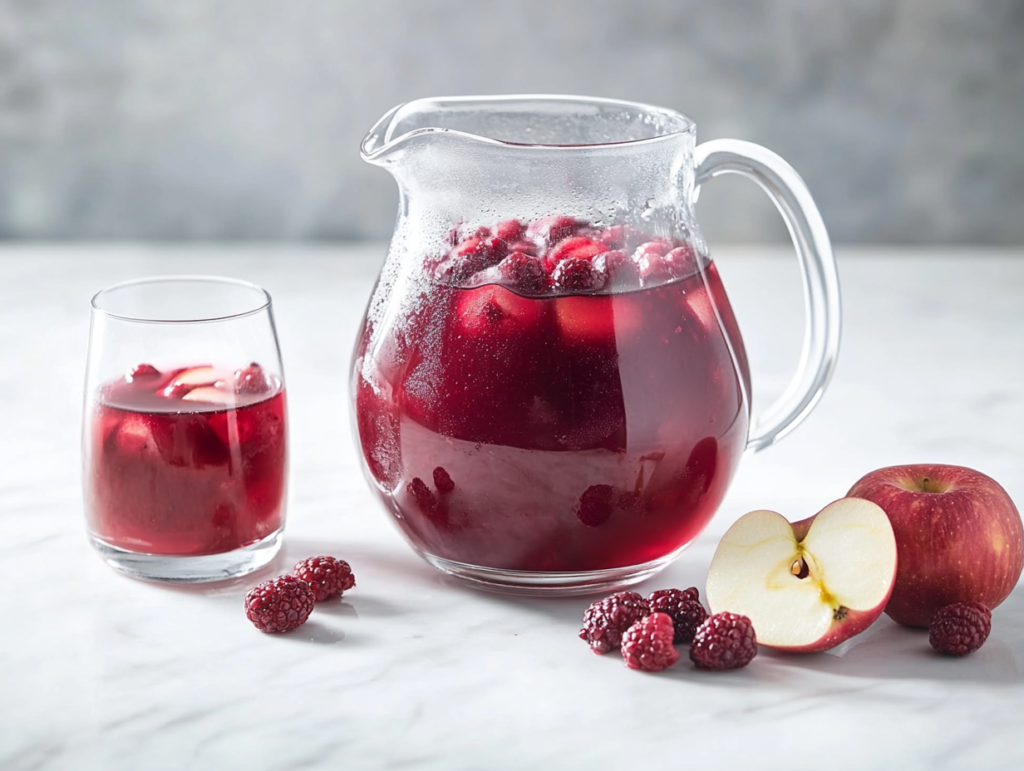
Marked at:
<point>552,426</point>
<point>187,462</point>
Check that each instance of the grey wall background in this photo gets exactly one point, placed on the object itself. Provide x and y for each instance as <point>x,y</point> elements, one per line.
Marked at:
<point>241,119</point>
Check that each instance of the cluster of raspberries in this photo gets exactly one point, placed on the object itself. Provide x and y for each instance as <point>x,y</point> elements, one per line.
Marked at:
<point>646,631</point>
<point>284,603</point>
<point>561,254</point>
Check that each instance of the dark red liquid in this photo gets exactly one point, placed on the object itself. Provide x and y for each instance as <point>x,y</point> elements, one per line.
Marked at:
<point>164,475</point>
<point>555,433</point>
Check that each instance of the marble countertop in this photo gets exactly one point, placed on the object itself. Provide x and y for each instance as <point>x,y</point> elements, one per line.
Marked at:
<point>412,670</point>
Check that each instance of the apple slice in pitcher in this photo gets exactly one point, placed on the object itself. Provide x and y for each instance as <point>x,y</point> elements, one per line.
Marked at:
<point>810,585</point>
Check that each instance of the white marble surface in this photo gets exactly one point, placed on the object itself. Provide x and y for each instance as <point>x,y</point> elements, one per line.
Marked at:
<point>98,671</point>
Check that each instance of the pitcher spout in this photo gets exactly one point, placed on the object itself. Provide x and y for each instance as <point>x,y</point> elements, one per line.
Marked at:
<point>375,147</point>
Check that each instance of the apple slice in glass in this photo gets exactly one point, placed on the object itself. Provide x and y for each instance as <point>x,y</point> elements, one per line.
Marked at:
<point>810,585</point>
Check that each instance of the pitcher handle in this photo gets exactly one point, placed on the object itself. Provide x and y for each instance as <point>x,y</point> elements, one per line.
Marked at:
<point>821,281</point>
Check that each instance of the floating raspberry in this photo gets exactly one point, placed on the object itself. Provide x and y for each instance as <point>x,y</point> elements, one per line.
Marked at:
<point>472,246</point>
<point>142,372</point>
<point>617,267</point>
<point>605,620</point>
<point>482,246</point>
<point>577,275</point>
<point>683,607</point>
<point>960,628</point>
<point>443,481</point>
<point>523,272</point>
<point>552,229</point>
<point>659,260</point>
<point>724,641</point>
<point>279,605</point>
<point>509,231</point>
<point>251,380</point>
<point>470,256</point>
<point>327,577</point>
<point>456,270</point>
<point>647,644</point>
<point>656,247</point>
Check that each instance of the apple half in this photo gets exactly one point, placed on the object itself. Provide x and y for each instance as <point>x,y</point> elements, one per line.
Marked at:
<point>810,585</point>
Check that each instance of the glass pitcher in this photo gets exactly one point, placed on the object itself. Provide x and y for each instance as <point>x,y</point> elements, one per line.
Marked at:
<point>551,394</point>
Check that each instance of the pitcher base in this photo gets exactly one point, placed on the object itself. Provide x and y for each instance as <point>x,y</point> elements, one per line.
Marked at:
<point>529,583</point>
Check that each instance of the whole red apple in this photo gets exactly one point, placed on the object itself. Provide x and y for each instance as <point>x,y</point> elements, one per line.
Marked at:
<point>958,535</point>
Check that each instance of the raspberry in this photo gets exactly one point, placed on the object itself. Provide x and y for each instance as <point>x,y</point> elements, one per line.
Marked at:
<point>647,644</point>
<point>427,502</point>
<point>523,272</point>
<point>142,371</point>
<point>656,247</point>
<point>693,594</point>
<point>614,237</point>
<point>577,275</point>
<point>443,481</point>
<point>251,380</point>
<point>620,271</point>
<point>682,607</point>
<point>605,620</point>
<point>484,246</point>
<point>613,262</point>
<point>552,229</point>
<point>724,641</point>
<point>474,245</point>
<point>657,259</point>
<point>423,495</point>
<point>595,506</point>
<point>327,577</point>
<point>509,231</point>
<point>455,270</point>
<point>960,628</point>
<point>470,256</point>
<point>279,605</point>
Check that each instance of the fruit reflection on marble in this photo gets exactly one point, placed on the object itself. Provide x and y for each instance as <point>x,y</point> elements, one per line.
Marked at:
<point>810,585</point>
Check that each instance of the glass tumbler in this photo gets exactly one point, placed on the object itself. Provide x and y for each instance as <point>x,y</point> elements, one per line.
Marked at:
<point>184,434</point>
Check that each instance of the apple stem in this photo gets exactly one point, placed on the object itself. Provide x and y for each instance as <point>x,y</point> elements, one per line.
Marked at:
<point>929,485</point>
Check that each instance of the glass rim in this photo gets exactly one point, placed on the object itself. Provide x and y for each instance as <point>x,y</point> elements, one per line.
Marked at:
<point>383,137</point>
<point>98,308</point>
